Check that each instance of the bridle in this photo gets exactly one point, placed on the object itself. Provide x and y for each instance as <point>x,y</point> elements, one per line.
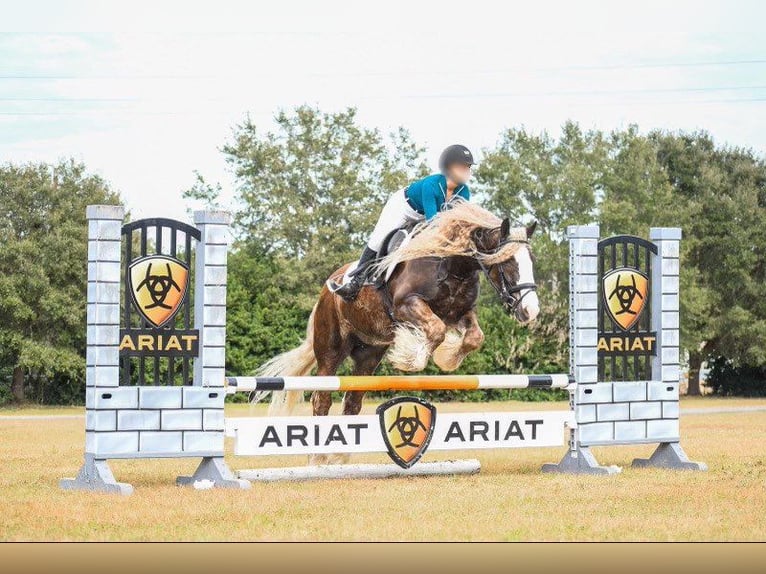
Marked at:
<point>506,290</point>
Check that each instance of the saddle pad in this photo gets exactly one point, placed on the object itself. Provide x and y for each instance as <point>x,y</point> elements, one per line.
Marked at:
<point>401,241</point>
<point>403,237</point>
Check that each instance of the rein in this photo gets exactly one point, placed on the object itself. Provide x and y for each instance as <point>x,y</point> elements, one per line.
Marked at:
<point>506,289</point>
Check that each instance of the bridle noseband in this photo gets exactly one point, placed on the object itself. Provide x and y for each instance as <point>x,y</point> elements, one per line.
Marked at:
<point>506,289</point>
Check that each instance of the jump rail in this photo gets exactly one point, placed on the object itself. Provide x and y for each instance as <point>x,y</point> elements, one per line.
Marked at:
<point>399,383</point>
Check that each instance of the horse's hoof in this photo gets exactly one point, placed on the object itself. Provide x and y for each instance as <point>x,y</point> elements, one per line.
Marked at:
<point>448,355</point>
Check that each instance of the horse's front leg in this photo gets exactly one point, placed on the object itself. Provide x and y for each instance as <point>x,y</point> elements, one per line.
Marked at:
<point>418,332</point>
<point>464,338</point>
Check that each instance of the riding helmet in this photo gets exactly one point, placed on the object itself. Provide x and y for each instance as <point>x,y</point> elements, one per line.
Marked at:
<point>455,154</point>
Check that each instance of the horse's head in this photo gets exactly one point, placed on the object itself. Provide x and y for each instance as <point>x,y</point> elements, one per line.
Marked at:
<point>507,261</point>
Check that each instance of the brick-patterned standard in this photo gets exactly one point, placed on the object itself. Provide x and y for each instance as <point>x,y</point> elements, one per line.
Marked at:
<point>635,412</point>
<point>153,421</point>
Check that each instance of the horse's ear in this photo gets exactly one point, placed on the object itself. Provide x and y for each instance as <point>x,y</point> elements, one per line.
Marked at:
<point>531,229</point>
<point>505,228</point>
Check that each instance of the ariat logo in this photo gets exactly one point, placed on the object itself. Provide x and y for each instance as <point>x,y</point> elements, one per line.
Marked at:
<point>407,425</point>
<point>625,294</point>
<point>158,286</point>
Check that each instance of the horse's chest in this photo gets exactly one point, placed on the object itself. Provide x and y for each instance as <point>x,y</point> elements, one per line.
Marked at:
<point>455,298</point>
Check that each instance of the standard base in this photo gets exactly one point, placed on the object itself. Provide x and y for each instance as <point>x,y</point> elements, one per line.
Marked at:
<point>351,471</point>
<point>214,470</point>
<point>580,461</point>
<point>96,476</point>
<point>669,455</point>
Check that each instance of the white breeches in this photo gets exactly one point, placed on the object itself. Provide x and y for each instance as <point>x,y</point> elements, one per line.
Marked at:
<point>396,213</point>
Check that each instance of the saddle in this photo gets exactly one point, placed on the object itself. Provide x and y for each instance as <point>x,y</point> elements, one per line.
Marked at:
<point>391,243</point>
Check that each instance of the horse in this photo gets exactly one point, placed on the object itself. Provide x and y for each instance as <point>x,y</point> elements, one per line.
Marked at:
<point>426,309</point>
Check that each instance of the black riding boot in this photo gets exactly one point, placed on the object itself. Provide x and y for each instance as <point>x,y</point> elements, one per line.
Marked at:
<point>350,290</point>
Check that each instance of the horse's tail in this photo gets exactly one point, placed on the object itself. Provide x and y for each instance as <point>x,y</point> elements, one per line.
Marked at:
<point>296,362</point>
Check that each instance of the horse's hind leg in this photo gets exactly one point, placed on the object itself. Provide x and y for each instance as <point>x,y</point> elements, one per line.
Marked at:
<point>366,359</point>
<point>327,365</point>
<point>331,348</point>
<point>321,401</point>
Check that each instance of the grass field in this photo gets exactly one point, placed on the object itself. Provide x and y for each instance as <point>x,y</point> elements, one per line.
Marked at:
<point>509,500</point>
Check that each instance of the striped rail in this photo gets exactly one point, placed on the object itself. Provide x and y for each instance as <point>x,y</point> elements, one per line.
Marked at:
<point>398,383</point>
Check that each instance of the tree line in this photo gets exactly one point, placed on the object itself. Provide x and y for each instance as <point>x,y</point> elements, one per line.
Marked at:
<point>310,187</point>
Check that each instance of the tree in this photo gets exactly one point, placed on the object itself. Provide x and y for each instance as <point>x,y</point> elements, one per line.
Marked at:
<point>556,183</point>
<point>308,194</point>
<point>313,189</point>
<point>628,182</point>
<point>724,261</point>
<point>43,270</point>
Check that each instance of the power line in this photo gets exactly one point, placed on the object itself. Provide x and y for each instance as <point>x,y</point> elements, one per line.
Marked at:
<point>571,68</point>
<point>704,89</point>
<point>172,77</point>
<point>77,100</point>
<point>227,113</point>
<point>678,64</point>
<point>591,92</point>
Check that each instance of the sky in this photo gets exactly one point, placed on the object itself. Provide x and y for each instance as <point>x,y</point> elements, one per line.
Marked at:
<point>145,93</point>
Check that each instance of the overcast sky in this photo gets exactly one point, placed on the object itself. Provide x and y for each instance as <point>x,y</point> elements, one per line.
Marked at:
<point>146,92</point>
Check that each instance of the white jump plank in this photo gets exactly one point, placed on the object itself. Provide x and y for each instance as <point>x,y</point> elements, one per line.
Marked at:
<point>355,471</point>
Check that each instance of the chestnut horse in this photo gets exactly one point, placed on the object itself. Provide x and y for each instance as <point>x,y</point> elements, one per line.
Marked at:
<point>427,308</point>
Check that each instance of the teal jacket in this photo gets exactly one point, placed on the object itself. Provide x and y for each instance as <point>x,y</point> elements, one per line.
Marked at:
<point>427,196</point>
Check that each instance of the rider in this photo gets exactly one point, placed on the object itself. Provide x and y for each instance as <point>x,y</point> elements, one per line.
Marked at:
<point>419,201</point>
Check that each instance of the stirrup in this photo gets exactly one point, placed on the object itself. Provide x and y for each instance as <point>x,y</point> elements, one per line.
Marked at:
<point>350,291</point>
<point>333,285</point>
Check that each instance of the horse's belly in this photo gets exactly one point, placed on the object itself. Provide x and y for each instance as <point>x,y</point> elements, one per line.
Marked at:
<point>367,319</point>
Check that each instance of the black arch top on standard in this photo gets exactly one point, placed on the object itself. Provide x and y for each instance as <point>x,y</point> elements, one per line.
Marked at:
<point>169,369</point>
<point>637,253</point>
<point>622,239</point>
<point>163,222</point>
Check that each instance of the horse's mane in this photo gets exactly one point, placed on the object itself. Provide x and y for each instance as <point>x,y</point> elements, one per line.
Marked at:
<point>451,233</point>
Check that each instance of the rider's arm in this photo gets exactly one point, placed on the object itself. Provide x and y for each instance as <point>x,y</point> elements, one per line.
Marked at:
<point>429,192</point>
<point>465,193</point>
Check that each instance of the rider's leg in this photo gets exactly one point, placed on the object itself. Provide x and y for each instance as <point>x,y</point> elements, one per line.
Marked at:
<point>367,257</point>
<point>396,213</point>
<point>357,277</point>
